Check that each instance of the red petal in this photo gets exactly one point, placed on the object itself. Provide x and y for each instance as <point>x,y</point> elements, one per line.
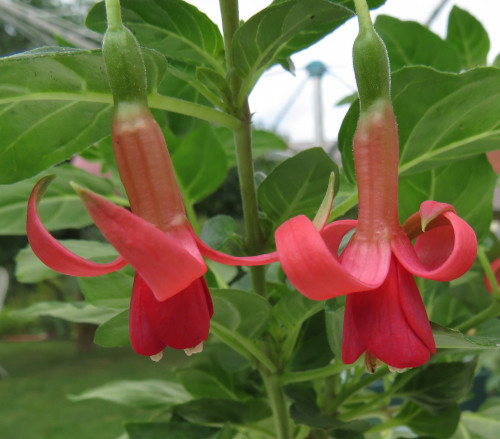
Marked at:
<point>443,253</point>
<point>167,261</point>
<point>223,258</point>
<point>310,259</point>
<point>352,344</point>
<point>51,252</point>
<point>181,322</point>
<point>392,322</point>
<point>428,216</point>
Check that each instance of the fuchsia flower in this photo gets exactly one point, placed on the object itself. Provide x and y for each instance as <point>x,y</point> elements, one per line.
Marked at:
<point>171,304</point>
<point>384,316</point>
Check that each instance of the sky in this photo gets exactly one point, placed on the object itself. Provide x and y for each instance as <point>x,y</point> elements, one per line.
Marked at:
<point>276,88</point>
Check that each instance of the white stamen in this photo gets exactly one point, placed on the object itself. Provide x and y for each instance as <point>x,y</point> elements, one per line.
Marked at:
<point>395,369</point>
<point>157,357</point>
<point>195,350</point>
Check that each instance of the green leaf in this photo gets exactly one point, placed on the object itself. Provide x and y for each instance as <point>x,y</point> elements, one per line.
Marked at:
<point>468,36</point>
<point>200,163</point>
<point>202,384</point>
<point>280,30</point>
<point>61,207</point>
<point>212,410</point>
<point>114,332</point>
<point>410,43</point>
<point>294,309</point>
<point>441,425</point>
<point>297,185</point>
<point>55,103</point>
<point>468,185</point>
<point>173,27</point>
<point>29,269</point>
<point>480,425</point>
<point>442,117</point>
<point>451,339</point>
<point>263,142</point>
<point>170,430</point>
<point>139,393</point>
<point>334,317</point>
<point>79,312</point>
<point>218,230</point>
<point>111,290</point>
<point>439,386</point>
<point>246,313</point>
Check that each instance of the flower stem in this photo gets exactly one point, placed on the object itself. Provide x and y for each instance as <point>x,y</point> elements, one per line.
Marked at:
<point>243,141</point>
<point>113,13</point>
<point>485,263</point>
<point>363,12</point>
<point>278,404</point>
<point>487,314</point>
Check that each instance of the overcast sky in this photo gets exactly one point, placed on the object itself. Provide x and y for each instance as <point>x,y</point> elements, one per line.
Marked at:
<point>276,87</point>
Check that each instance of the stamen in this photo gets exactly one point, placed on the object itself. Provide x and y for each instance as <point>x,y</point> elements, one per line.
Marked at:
<point>157,357</point>
<point>196,350</point>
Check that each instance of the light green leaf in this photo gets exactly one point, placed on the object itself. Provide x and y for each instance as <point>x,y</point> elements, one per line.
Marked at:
<point>203,384</point>
<point>297,185</point>
<point>29,269</point>
<point>468,185</point>
<point>200,163</point>
<point>442,117</point>
<point>409,43</point>
<point>480,426</point>
<point>173,27</point>
<point>55,103</point>
<point>80,312</point>
<point>280,30</point>
<point>170,430</point>
<point>447,338</point>
<point>61,207</point>
<point>218,230</point>
<point>113,332</point>
<point>140,393</point>
<point>111,290</point>
<point>468,36</point>
<point>246,313</point>
<point>294,309</point>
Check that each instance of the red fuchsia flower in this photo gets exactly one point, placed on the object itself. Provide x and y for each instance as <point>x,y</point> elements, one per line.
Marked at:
<point>384,315</point>
<point>171,304</point>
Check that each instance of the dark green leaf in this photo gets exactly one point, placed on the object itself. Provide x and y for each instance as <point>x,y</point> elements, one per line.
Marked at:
<point>202,384</point>
<point>210,410</point>
<point>439,426</point>
<point>173,27</point>
<point>200,163</point>
<point>334,328</point>
<point>113,332</point>
<point>442,117</point>
<point>438,386</point>
<point>55,103</point>
<point>468,185</point>
<point>469,38</point>
<point>409,43</point>
<point>78,312</point>
<point>109,290</point>
<point>61,207</point>
<point>280,30</point>
<point>29,269</point>
<point>246,313</point>
<point>297,185</point>
<point>170,430</point>
<point>140,393</point>
<point>294,309</point>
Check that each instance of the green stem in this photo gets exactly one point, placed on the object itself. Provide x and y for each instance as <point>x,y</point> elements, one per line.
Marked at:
<point>487,314</point>
<point>242,345</point>
<point>485,262</point>
<point>314,374</point>
<point>113,14</point>
<point>277,401</point>
<point>243,141</point>
<point>363,11</point>
<point>344,207</point>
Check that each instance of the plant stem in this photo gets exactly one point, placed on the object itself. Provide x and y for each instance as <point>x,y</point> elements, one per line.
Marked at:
<point>243,140</point>
<point>485,263</point>
<point>113,13</point>
<point>489,313</point>
<point>363,12</point>
<point>314,374</point>
<point>278,405</point>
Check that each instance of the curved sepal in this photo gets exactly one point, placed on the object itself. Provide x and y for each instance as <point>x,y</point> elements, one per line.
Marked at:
<point>51,252</point>
<point>167,261</point>
<point>444,252</point>
<point>181,322</point>
<point>309,258</point>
